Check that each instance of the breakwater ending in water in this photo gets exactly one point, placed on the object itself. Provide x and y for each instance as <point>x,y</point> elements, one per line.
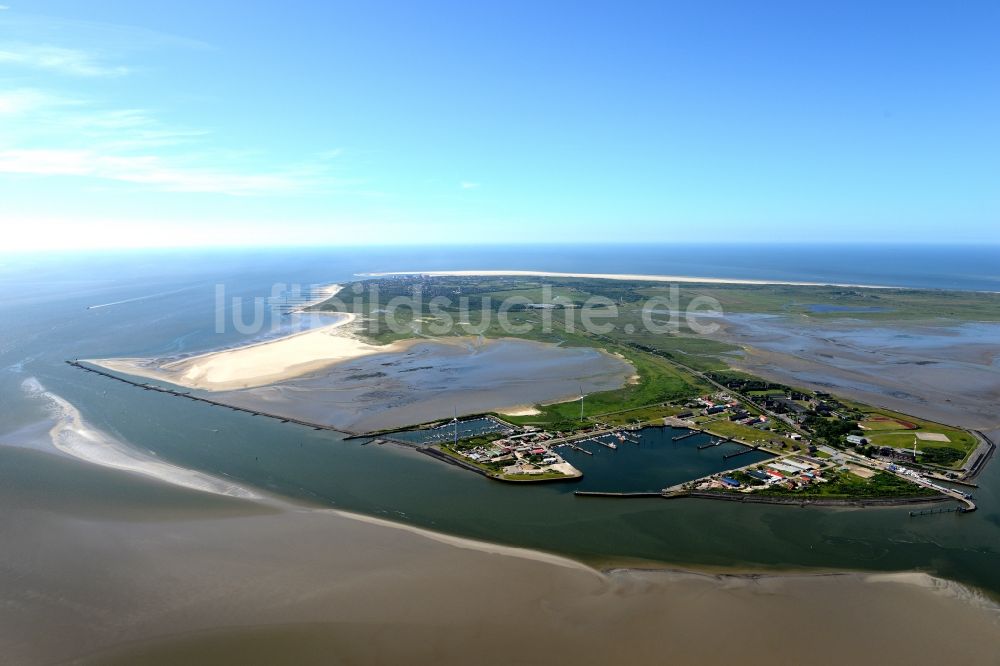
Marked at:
<point>184,394</point>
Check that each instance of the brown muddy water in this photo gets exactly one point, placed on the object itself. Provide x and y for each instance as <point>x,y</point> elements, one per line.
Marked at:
<point>104,558</point>
<point>88,582</point>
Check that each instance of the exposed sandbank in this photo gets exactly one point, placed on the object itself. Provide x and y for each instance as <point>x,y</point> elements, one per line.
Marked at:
<point>260,363</point>
<point>520,410</point>
<point>72,435</point>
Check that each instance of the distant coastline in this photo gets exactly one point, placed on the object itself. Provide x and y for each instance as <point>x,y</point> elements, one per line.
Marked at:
<point>691,279</point>
<point>686,279</point>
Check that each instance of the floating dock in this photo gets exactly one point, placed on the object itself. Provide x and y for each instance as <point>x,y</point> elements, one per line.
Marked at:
<point>610,445</point>
<point>686,435</point>
<point>751,449</point>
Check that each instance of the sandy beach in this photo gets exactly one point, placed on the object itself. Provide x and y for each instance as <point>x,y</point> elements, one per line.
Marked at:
<point>261,363</point>
<point>258,364</point>
<point>624,276</point>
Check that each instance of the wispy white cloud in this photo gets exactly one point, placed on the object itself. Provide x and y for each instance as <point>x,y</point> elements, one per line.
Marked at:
<point>466,185</point>
<point>44,134</point>
<point>47,134</point>
<point>90,35</point>
<point>74,62</point>
<point>33,115</point>
<point>125,129</point>
<point>23,100</point>
<point>145,169</point>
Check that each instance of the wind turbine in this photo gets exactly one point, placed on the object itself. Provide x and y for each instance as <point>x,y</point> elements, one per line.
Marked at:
<point>455,422</point>
<point>582,396</point>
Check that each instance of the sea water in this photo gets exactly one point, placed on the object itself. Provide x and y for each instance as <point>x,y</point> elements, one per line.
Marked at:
<point>166,304</point>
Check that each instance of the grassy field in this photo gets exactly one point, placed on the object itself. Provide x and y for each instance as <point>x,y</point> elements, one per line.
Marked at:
<point>485,296</point>
<point>884,428</point>
<point>628,296</point>
<point>659,382</point>
<point>844,485</point>
<point>662,384</point>
<point>645,414</point>
<point>726,428</point>
<point>895,304</point>
<point>881,423</point>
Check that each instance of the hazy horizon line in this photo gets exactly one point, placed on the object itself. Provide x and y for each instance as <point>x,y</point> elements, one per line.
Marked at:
<point>512,244</point>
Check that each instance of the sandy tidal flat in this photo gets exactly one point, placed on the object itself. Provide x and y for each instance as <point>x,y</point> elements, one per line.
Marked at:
<point>257,364</point>
<point>945,371</point>
<point>432,379</point>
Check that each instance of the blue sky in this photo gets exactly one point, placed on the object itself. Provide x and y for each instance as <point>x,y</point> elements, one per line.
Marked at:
<point>146,124</point>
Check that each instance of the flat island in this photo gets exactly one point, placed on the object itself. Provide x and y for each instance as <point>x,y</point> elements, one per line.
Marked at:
<point>525,378</point>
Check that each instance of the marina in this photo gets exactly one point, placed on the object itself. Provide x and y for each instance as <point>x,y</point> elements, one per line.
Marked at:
<point>445,432</point>
<point>655,459</point>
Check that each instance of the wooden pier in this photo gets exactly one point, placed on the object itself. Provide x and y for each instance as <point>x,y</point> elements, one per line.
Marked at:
<point>686,435</point>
